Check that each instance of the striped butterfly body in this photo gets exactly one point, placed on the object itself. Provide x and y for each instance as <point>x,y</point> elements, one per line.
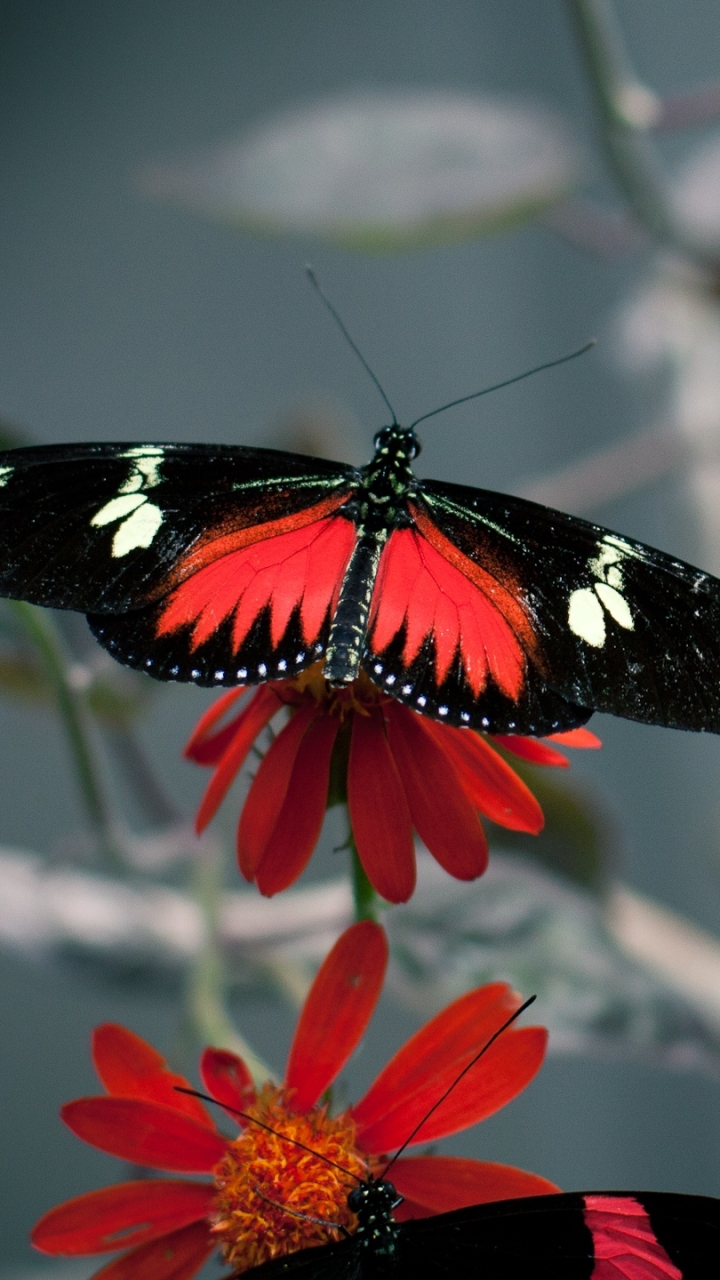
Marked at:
<point>227,565</point>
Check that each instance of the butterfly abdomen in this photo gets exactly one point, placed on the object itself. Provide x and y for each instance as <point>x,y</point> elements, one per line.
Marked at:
<point>348,633</point>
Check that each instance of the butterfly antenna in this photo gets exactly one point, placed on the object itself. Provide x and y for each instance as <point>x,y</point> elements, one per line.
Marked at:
<point>319,290</point>
<point>455,1082</point>
<point>195,1093</point>
<point>550,364</point>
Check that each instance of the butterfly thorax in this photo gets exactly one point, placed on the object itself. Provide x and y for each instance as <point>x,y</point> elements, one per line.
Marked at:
<point>378,505</point>
<point>377,1231</point>
<point>388,479</point>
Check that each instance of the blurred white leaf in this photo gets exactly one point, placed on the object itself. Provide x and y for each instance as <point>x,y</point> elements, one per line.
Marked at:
<point>697,193</point>
<point>380,169</point>
<point>630,980</point>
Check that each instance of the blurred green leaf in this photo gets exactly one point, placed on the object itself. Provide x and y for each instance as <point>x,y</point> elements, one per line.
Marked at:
<point>577,836</point>
<point>382,170</point>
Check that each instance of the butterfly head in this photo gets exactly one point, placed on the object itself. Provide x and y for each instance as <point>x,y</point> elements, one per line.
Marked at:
<point>373,1203</point>
<point>397,442</point>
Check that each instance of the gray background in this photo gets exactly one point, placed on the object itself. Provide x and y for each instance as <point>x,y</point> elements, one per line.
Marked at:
<point>124,319</point>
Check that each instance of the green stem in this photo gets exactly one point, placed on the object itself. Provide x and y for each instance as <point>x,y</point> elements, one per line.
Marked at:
<point>206,1010</point>
<point>39,627</point>
<point>626,111</point>
<point>364,896</point>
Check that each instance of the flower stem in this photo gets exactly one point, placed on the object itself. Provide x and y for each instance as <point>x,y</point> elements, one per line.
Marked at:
<point>365,898</point>
<point>205,1006</point>
<point>627,110</point>
<point>39,627</point>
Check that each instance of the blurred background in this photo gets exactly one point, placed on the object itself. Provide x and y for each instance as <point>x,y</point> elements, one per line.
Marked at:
<point>147,293</point>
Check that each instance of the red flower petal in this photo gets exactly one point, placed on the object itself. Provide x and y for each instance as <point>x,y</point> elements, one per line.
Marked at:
<point>176,1256</point>
<point>379,812</point>
<point>507,1067</point>
<point>145,1133</point>
<point>336,1012</point>
<point>490,783</point>
<point>127,1214</point>
<point>129,1067</point>
<point>532,750</point>
<point>268,791</point>
<point>416,1077</point>
<point>582,738</point>
<point>202,745</point>
<point>227,1079</point>
<point>240,736</point>
<point>300,818</point>
<point>451,829</point>
<point>437,1184</point>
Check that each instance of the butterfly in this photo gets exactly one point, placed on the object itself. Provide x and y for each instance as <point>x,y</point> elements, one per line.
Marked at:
<point>607,1235</point>
<point>227,565</point>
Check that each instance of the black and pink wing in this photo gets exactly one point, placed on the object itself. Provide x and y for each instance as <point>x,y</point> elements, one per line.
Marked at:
<point>581,1236</point>
<point>216,564</point>
<point>498,613</point>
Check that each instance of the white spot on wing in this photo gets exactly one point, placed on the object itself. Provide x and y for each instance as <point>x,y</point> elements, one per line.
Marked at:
<point>5,474</point>
<point>116,508</point>
<point>138,530</point>
<point>616,605</point>
<point>586,618</point>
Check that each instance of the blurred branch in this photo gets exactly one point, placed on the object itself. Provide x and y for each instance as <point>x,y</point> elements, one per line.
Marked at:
<point>617,977</point>
<point>607,233</point>
<point>39,628</point>
<point>139,776</point>
<point>689,110</point>
<point>683,955</point>
<point>610,473</point>
<point>205,1005</point>
<point>627,111</point>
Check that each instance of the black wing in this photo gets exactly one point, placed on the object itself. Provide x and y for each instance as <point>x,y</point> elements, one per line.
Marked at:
<point>653,1235</point>
<point>114,530</point>
<point>658,1236</point>
<point>616,626</point>
<point>100,527</point>
<point>341,1261</point>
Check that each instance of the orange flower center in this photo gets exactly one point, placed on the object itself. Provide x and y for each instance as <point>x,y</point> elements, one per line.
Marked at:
<point>359,695</point>
<point>268,1191</point>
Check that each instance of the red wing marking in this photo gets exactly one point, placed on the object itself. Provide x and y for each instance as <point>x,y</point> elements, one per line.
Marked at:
<point>303,567</point>
<point>232,535</point>
<point>625,1245</point>
<point>426,583</point>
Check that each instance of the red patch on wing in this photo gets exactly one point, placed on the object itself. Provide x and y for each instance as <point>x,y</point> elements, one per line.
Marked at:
<point>426,583</point>
<point>283,570</point>
<point>624,1243</point>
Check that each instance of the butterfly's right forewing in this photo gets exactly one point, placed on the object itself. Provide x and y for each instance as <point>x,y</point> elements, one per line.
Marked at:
<point>110,528</point>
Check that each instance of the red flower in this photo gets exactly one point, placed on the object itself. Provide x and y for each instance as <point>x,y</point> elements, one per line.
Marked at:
<point>169,1227</point>
<point>400,771</point>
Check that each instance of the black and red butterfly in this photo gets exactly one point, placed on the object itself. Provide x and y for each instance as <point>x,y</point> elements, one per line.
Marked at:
<point>227,565</point>
<point>606,1235</point>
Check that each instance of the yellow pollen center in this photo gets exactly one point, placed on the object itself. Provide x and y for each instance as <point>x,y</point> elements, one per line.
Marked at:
<point>357,696</point>
<point>263,1183</point>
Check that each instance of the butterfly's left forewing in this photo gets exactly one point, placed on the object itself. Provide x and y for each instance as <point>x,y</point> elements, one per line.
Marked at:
<point>194,562</point>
